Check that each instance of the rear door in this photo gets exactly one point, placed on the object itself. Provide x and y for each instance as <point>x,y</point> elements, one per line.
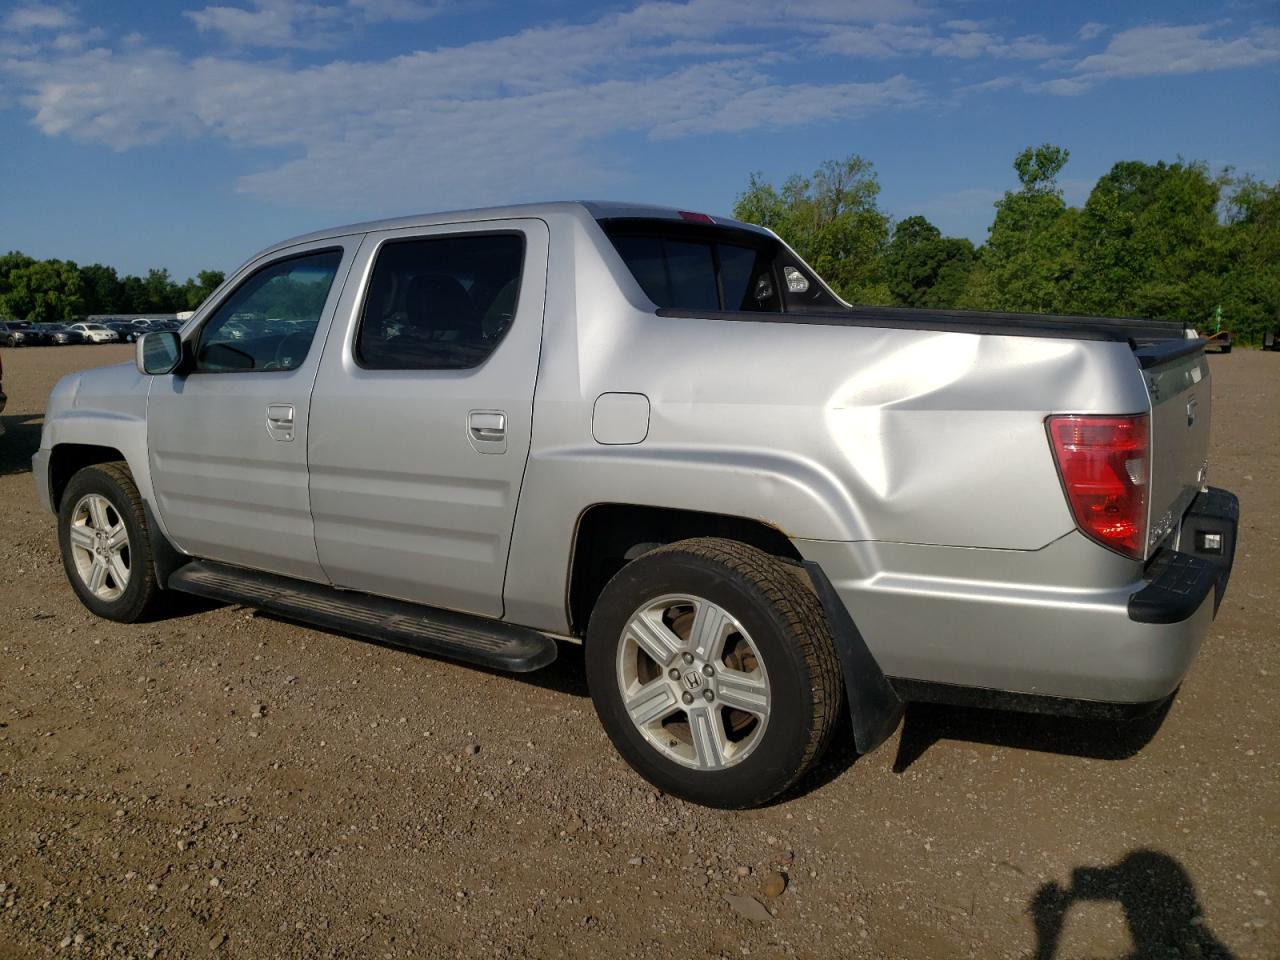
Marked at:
<point>423,409</point>
<point>228,439</point>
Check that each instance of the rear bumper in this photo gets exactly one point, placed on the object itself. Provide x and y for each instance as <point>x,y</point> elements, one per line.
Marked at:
<point>1071,621</point>
<point>1180,580</point>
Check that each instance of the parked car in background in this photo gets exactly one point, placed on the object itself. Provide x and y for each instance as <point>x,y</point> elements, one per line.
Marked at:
<point>60,333</point>
<point>1220,341</point>
<point>20,333</point>
<point>96,332</point>
<point>125,331</point>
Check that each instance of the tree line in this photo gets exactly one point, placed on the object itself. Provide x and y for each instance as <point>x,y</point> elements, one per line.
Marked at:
<point>59,291</point>
<point>1168,241</point>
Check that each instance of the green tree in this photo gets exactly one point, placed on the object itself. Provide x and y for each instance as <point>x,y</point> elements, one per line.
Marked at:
<point>1029,262</point>
<point>1250,289</point>
<point>195,291</point>
<point>162,295</point>
<point>925,269</point>
<point>103,291</point>
<point>40,290</point>
<point>832,220</point>
<point>1151,243</point>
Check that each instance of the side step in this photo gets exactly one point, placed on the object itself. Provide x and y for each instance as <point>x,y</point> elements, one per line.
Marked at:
<point>441,633</point>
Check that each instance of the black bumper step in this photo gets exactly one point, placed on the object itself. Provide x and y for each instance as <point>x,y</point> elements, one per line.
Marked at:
<point>1178,582</point>
<point>440,633</point>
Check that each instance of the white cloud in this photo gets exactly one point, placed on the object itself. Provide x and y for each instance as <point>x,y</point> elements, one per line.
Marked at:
<point>528,113</point>
<point>396,9</point>
<point>270,23</point>
<point>1154,50</point>
<point>512,116</point>
<point>37,17</point>
<point>1148,52</point>
<point>303,23</point>
<point>959,39</point>
<point>1091,30</point>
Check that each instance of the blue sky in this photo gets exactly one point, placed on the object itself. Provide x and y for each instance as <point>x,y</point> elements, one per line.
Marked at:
<point>188,135</point>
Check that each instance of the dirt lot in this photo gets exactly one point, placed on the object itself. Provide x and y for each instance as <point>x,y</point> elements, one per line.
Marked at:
<point>220,783</point>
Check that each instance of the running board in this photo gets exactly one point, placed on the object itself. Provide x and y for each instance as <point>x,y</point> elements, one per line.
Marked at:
<point>440,633</point>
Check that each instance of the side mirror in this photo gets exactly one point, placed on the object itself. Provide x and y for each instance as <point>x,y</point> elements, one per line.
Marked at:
<point>158,353</point>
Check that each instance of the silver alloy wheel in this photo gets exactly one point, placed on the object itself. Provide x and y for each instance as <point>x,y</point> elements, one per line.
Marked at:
<point>100,546</point>
<point>693,682</point>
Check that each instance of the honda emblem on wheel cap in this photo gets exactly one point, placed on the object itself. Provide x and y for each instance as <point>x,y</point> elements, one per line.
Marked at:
<point>692,680</point>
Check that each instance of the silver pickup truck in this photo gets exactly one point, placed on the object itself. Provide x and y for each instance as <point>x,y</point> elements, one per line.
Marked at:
<point>765,513</point>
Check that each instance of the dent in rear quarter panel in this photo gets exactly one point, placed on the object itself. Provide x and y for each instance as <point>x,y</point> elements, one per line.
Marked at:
<point>837,433</point>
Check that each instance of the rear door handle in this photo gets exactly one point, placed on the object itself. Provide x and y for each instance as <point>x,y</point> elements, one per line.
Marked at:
<point>487,430</point>
<point>280,421</point>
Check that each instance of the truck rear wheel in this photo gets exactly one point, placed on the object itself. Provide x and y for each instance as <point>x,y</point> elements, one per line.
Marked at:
<point>102,531</point>
<point>713,671</point>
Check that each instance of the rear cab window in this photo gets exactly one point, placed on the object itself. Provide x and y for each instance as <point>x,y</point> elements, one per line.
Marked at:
<point>708,268</point>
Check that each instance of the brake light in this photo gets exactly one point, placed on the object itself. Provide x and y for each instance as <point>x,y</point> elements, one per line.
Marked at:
<point>694,217</point>
<point>1105,467</point>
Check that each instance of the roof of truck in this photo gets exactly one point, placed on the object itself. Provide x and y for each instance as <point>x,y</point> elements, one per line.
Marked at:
<point>596,209</point>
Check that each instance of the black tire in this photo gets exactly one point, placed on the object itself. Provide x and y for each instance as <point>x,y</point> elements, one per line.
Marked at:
<point>9,341</point>
<point>775,604</point>
<point>113,482</point>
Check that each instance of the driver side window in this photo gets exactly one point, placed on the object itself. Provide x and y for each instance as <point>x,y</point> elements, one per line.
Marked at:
<point>268,323</point>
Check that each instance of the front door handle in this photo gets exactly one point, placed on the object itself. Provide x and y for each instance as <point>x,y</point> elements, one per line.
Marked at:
<point>487,430</point>
<point>280,421</point>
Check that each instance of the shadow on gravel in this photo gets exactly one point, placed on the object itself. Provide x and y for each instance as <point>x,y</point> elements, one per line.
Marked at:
<point>565,674</point>
<point>840,756</point>
<point>21,439</point>
<point>1157,896</point>
<point>926,723</point>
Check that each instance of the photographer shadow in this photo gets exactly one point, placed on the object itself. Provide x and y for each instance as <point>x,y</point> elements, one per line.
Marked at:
<point>1159,901</point>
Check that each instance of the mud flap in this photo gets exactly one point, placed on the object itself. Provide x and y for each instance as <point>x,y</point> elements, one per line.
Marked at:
<point>165,557</point>
<point>874,706</point>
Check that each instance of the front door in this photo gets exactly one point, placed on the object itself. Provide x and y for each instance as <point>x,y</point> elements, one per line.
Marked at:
<point>228,437</point>
<point>423,409</point>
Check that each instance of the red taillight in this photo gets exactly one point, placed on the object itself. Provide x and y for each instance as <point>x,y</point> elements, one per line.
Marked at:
<point>694,217</point>
<point>1105,467</point>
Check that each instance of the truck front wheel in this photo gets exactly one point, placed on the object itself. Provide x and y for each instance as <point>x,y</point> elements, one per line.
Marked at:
<point>713,671</point>
<point>102,530</point>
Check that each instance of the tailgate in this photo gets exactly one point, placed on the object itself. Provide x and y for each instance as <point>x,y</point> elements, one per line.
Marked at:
<point>1177,376</point>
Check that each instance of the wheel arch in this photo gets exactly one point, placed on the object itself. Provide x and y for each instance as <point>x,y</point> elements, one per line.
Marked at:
<point>68,459</point>
<point>607,536</point>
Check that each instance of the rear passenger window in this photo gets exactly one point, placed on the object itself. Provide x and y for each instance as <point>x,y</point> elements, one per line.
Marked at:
<point>442,303</point>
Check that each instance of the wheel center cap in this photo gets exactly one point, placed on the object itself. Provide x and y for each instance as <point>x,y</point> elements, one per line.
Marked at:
<point>692,680</point>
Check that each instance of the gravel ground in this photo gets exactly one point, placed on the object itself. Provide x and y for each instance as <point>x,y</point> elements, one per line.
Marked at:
<point>218,783</point>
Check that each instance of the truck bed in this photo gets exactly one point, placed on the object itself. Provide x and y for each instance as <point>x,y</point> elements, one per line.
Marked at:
<point>1053,326</point>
